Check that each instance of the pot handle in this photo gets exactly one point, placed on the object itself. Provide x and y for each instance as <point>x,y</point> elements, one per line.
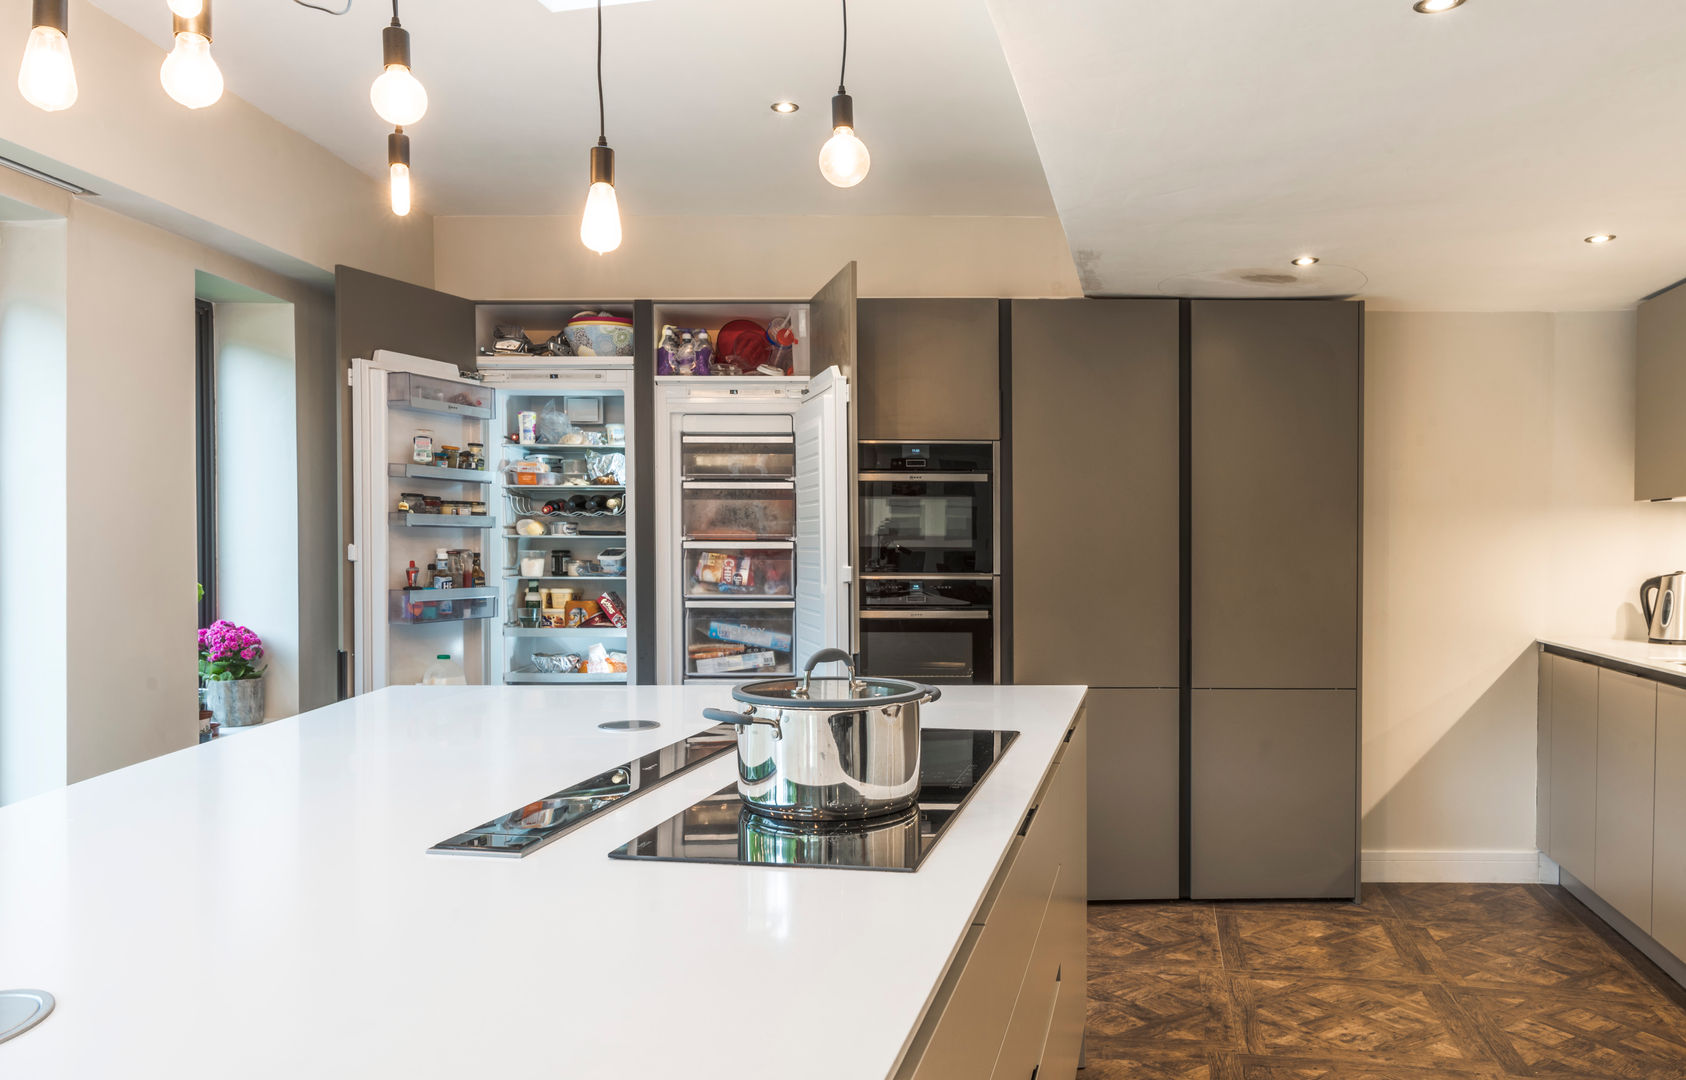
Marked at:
<point>827,656</point>
<point>935,692</point>
<point>743,719</point>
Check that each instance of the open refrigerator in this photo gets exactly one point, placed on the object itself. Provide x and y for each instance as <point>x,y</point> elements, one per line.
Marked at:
<point>752,527</point>
<point>574,526</point>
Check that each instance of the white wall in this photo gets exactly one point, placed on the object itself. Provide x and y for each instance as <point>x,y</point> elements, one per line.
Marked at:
<point>258,488</point>
<point>1498,509</point>
<point>684,258</point>
<point>33,612</point>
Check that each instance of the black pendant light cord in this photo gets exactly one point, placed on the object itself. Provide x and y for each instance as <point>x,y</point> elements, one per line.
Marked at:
<point>341,11</point>
<point>844,67</point>
<point>602,125</point>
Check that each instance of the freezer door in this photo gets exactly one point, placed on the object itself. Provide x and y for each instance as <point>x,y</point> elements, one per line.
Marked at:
<point>419,392</point>
<point>823,617</point>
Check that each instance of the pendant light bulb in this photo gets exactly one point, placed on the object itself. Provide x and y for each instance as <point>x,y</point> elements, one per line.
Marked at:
<point>190,75</point>
<point>844,161</point>
<point>47,78</point>
<point>600,226</point>
<point>187,9</point>
<point>398,170</point>
<point>397,95</point>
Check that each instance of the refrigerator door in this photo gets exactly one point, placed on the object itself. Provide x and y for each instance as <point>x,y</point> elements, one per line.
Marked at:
<point>823,574</point>
<point>398,631</point>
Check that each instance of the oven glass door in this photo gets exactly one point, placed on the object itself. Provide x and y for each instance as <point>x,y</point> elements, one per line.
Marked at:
<point>932,523</point>
<point>929,630</point>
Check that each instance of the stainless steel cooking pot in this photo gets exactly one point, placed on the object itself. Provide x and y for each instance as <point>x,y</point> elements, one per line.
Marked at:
<point>828,749</point>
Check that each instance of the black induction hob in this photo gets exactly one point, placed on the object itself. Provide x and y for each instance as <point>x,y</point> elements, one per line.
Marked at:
<point>720,829</point>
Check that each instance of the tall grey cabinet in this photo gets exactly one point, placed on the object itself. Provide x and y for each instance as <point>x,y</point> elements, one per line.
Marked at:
<point>1094,451</point>
<point>1274,486</point>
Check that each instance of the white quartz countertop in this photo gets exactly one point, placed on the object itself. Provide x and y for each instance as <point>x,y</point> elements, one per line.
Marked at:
<point>264,907</point>
<point>1662,659</point>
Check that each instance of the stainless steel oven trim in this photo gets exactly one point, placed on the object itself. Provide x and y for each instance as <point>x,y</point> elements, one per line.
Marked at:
<point>931,477</point>
<point>963,613</point>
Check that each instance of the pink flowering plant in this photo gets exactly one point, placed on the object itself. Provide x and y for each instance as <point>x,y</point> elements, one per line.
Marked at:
<point>228,652</point>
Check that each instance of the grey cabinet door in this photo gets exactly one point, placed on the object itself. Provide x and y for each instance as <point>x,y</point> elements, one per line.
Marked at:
<point>1542,782</point>
<point>1668,856</point>
<point>1134,794</point>
<point>1627,768</point>
<point>1659,457</point>
<point>1574,766</point>
<point>1095,460</point>
<point>929,369</point>
<point>1274,788</point>
<point>1276,456</point>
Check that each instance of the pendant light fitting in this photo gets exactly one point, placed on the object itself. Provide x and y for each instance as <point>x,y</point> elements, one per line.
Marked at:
<point>190,74</point>
<point>844,160</point>
<point>47,77</point>
<point>397,95</point>
<point>600,225</point>
<point>398,170</point>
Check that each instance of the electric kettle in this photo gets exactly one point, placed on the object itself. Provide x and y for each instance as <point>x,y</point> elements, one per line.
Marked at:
<point>1666,615</point>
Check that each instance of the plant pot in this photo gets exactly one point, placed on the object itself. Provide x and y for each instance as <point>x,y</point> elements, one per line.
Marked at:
<point>235,702</point>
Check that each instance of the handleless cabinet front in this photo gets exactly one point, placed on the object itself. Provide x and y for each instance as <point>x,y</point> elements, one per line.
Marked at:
<point>1134,792</point>
<point>1668,858</point>
<point>1095,445</point>
<point>1274,542</point>
<point>1627,767</point>
<point>1274,792</point>
<point>929,369</point>
<point>1574,766</point>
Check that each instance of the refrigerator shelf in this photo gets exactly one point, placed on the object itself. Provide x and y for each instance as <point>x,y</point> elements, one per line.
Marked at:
<point>569,577</point>
<point>739,600</point>
<point>746,545</point>
<point>585,678</point>
<point>510,534</point>
<point>404,607</point>
<point>551,448</point>
<point>530,490</point>
<point>405,520</point>
<point>437,472</point>
<point>510,630</point>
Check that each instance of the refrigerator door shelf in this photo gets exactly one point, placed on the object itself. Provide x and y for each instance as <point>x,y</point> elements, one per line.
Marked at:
<point>405,520</point>
<point>442,605</point>
<point>436,472</point>
<point>407,390</point>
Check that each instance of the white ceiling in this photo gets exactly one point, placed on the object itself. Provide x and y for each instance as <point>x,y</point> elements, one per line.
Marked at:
<point>1456,161</point>
<point>513,107</point>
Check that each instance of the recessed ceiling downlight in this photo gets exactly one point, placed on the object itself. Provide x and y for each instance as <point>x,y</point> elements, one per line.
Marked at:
<point>785,108</point>
<point>1307,260</point>
<point>1435,7</point>
<point>1601,238</point>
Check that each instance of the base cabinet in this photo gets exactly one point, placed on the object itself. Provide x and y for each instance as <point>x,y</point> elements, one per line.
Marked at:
<point>1668,835</point>
<point>1574,765</point>
<point>1135,766</point>
<point>1015,998</point>
<point>1627,767</point>
<point>1273,792</point>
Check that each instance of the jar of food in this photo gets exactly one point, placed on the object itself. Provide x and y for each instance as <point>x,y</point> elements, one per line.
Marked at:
<point>476,456</point>
<point>423,443</point>
<point>453,456</point>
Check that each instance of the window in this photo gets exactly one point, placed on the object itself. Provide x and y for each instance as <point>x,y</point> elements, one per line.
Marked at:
<point>206,389</point>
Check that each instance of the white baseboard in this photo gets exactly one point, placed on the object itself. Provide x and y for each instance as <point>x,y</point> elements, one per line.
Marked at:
<point>1512,867</point>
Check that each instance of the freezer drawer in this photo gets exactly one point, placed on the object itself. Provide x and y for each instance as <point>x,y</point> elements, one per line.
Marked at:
<point>722,571</point>
<point>748,457</point>
<point>738,512</point>
<point>739,640</point>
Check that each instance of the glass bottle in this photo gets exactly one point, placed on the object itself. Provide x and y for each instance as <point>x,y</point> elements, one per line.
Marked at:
<point>477,577</point>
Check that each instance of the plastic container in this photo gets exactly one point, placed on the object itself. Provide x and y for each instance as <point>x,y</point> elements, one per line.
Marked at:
<point>444,672</point>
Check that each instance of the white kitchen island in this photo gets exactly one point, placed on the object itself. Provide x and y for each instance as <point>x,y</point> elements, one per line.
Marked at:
<point>265,907</point>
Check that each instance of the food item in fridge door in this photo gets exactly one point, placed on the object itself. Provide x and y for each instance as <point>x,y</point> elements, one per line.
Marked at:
<point>423,448</point>
<point>410,575</point>
<point>613,608</point>
<point>476,456</point>
<point>722,665</point>
<point>745,634</point>
<point>443,671</point>
<point>527,427</point>
<point>451,456</point>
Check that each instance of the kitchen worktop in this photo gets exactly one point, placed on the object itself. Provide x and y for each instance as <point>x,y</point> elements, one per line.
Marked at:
<point>1664,663</point>
<point>264,907</point>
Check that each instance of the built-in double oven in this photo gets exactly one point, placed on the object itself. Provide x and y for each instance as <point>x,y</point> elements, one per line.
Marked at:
<point>929,519</point>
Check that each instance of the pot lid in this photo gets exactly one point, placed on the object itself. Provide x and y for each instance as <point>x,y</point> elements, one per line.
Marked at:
<point>830,693</point>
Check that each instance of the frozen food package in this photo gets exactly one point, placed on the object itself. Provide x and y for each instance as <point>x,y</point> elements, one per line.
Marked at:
<point>749,661</point>
<point>732,573</point>
<point>745,634</point>
<point>597,660</point>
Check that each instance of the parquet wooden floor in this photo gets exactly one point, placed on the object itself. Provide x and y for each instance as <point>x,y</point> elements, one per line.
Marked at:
<point>1418,982</point>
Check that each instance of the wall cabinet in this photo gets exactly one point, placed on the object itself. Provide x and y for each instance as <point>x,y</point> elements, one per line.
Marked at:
<point>1668,833</point>
<point>1275,794</point>
<point>1627,765</point>
<point>1134,794</point>
<point>929,369</point>
<point>1659,458</point>
<point>1574,765</point>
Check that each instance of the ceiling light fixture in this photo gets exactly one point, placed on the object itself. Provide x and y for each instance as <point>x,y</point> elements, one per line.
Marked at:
<point>1435,7</point>
<point>47,79</point>
<point>1601,238</point>
<point>187,9</point>
<point>844,160</point>
<point>190,75</point>
<point>785,108</point>
<point>1307,260</point>
<point>600,225</point>
<point>398,170</point>
<point>397,95</point>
